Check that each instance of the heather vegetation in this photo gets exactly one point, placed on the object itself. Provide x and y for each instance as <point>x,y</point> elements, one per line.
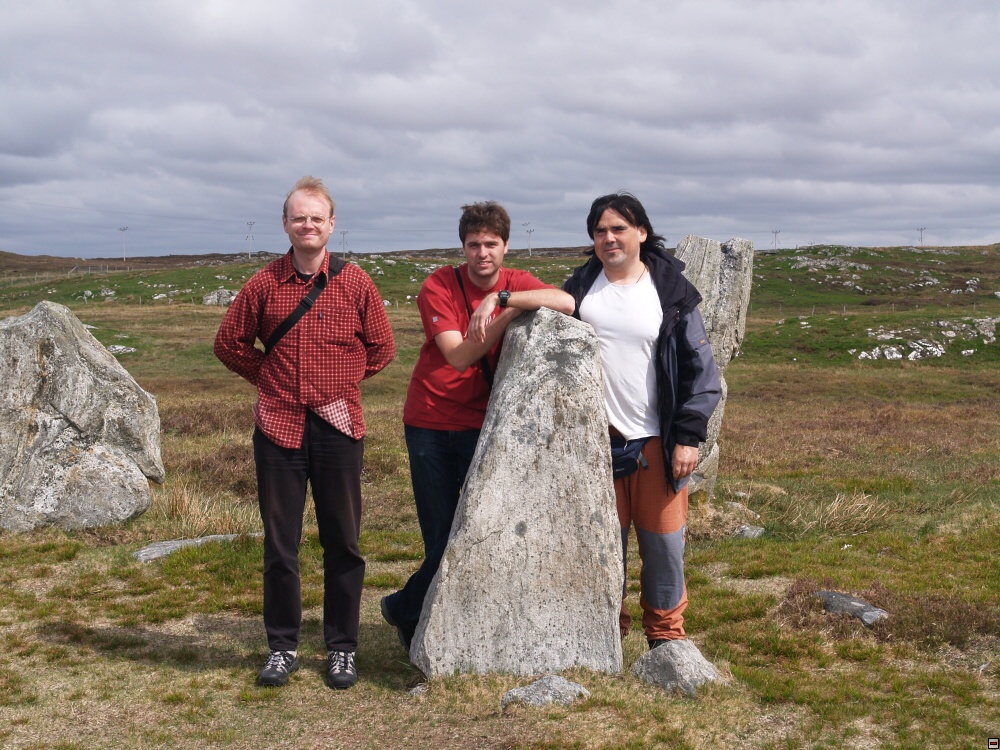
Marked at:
<point>875,476</point>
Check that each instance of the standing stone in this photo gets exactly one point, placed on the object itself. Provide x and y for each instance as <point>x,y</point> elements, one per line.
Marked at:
<point>531,581</point>
<point>723,273</point>
<point>78,436</point>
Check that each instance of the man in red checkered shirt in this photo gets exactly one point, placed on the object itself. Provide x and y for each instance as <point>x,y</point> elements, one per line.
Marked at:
<point>309,425</point>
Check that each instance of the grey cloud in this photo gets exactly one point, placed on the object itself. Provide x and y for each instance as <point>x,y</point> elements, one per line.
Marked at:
<point>850,121</point>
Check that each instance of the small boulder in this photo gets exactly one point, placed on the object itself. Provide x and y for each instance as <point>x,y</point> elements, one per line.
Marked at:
<point>676,664</point>
<point>839,603</point>
<point>748,531</point>
<point>550,689</point>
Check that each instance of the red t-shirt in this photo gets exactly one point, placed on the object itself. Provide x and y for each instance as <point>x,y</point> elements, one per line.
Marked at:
<point>440,397</point>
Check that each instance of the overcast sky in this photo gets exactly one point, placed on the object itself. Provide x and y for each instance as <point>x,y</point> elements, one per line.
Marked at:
<point>854,121</point>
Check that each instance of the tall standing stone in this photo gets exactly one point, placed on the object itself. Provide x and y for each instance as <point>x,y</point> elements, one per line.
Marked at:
<point>78,436</point>
<point>531,580</point>
<point>723,273</point>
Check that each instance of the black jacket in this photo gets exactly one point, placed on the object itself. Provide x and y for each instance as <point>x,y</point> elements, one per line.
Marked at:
<point>688,383</point>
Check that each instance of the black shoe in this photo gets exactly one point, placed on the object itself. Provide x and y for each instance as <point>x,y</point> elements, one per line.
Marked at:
<point>340,670</point>
<point>401,633</point>
<point>276,669</point>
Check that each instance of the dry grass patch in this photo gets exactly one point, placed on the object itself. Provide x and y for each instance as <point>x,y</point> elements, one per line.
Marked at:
<point>928,621</point>
<point>841,515</point>
<point>183,509</point>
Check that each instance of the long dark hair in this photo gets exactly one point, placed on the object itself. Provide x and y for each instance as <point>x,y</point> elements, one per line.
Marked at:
<point>632,211</point>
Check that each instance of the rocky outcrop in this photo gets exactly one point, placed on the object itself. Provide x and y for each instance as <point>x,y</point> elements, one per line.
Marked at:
<point>78,436</point>
<point>531,580</point>
<point>223,297</point>
<point>723,273</point>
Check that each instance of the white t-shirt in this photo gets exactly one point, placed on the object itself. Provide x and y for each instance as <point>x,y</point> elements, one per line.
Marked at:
<point>627,320</point>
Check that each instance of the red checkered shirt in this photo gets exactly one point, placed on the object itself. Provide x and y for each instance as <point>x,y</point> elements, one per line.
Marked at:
<point>344,338</point>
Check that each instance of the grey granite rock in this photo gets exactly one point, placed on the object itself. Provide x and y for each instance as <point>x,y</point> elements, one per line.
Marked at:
<point>156,550</point>
<point>223,297</point>
<point>550,689</point>
<point>840,603</point>
<point>78,436</point>
<point>747,531</point>
<point>676,665</point>
<point>531,579</point>
<point>723,273</point>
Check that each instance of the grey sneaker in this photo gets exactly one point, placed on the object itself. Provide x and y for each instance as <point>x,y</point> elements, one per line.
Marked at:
<point>340,670</point>
<point>276,669</point>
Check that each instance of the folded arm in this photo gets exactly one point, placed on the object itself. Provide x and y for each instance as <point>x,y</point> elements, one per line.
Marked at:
<point>531,299</point>
<point>460,352</point>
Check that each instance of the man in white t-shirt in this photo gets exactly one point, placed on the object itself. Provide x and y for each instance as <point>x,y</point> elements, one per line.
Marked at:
<point>661,385</point>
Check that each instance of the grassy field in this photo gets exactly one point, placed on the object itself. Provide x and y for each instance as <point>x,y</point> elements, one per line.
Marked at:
<point>875,476</point>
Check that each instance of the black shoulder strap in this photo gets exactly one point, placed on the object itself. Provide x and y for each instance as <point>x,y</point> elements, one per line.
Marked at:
<point>483,364</point>
<point>336,266</point>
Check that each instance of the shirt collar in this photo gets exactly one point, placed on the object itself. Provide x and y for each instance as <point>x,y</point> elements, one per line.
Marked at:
<point>286,271</point>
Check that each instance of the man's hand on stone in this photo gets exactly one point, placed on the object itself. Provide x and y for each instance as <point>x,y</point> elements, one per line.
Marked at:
<point>685,459</point>
<point>481,318</point>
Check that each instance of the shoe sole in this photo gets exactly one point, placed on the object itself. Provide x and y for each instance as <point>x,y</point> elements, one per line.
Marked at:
<point>334,686</point>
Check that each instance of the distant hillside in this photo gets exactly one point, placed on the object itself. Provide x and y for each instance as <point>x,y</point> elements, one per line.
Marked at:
<point>22,264</point>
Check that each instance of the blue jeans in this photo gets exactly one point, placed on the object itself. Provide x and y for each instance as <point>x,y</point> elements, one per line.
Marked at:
<point>439,461</point>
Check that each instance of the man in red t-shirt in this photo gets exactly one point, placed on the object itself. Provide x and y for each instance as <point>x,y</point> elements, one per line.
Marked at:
<point>465,312</point>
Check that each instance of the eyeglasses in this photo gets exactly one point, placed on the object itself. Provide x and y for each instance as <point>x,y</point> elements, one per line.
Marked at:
<point>300,221</point>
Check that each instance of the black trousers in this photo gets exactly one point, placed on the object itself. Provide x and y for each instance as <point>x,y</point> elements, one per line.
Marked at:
<point>331,462</point>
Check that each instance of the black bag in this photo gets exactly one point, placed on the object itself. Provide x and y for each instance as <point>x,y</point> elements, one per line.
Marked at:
<point>626,456</point>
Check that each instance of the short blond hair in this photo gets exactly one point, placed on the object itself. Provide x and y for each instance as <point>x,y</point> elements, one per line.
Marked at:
<point>312,185</point>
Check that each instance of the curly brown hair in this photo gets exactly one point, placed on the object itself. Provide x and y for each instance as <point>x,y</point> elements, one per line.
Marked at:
<point>485,216</point>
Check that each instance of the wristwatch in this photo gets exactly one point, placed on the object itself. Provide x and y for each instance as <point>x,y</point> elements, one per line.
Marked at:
<point>503,296</point>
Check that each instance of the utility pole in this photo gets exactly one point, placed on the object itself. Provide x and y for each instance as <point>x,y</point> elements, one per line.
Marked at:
<point>123,230</point>
<point>343,242</point>
<point>250,239</point>
<point>775,232</point>
<point>528,230</point>
<point>921,230</point>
